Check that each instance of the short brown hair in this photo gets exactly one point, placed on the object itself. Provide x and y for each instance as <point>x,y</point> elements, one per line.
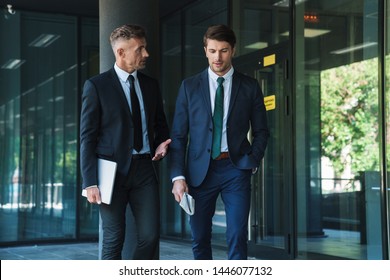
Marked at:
<point>127,32</point>
<point>220,32</point>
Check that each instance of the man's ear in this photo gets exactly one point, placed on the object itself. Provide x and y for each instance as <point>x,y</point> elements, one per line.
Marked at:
<point>205,51</point>
<point>119,51</point>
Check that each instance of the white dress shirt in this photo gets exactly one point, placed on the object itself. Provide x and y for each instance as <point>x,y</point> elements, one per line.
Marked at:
<point>123,77</point>
<point>227,88</point>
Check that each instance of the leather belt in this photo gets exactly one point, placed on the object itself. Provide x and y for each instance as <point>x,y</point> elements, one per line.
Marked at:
<point>223,155</point>
<point>141,156</point>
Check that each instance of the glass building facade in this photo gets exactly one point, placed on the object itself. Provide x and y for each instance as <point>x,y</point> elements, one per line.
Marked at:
<point>43,62</point>
<point>323,188</point>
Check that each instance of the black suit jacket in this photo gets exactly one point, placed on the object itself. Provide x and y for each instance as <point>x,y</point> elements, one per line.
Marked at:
<point>106,127</point>
<point>192,128</point>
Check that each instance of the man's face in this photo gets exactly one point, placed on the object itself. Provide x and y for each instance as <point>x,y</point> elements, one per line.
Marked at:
<point>219,54</point>
<point>132,54</point>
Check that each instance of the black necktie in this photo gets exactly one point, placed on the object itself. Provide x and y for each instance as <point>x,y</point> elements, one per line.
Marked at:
<point>136,113</point>
<point>218,120</point>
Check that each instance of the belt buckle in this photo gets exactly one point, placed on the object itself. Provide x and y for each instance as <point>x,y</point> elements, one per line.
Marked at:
<point>223,155</point>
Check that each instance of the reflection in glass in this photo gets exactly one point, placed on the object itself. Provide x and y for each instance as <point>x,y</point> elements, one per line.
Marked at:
<point>387,113</point>
<point>39,128</point>
<point>338,164</point>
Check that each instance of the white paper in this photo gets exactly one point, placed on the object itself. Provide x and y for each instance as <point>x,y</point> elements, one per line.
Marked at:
<point>188,204</point>
<point>106,179</point>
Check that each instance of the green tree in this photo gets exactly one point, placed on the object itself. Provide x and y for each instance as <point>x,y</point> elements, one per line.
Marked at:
<point>349,116</point>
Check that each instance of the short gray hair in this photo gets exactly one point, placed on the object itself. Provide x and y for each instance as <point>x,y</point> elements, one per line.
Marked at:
<point>127,32</point>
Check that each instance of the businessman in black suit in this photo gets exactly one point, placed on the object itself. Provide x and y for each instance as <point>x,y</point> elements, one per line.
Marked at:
<point>122,120</point>
<point>211,154</point>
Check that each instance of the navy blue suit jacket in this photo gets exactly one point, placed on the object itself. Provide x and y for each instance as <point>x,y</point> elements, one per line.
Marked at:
<point>192,128</point>
<point>106,126</point>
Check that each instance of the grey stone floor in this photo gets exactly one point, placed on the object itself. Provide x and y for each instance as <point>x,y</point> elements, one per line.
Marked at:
<point>169,250</point>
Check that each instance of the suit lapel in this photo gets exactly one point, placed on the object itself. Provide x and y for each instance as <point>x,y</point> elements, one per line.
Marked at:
<point>205,90</point>
<point>118,88</point>
<point>234,92</point>
<point>145,94</point>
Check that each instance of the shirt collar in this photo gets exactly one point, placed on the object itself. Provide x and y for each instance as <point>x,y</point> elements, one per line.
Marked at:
<point>123,75</point>
<point>227,76</point>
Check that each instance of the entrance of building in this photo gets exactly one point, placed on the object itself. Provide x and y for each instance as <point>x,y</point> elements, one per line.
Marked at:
<point>271,217</point>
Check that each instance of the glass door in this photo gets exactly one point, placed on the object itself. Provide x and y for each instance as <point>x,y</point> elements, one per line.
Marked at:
<point>270,233</point>
<point>338,139</point>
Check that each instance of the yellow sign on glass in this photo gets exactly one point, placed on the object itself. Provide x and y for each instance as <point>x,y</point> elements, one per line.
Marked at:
<point>269,60</point>
<point>270,102</point>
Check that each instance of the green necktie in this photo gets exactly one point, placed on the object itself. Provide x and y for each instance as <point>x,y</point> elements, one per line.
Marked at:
<point>218,120</point>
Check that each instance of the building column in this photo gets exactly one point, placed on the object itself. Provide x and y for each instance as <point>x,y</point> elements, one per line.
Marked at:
<point>112,14</point>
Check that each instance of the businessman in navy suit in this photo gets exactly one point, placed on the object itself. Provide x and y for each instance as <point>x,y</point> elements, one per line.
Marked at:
<point>122,120</point>
<point>210,152</point>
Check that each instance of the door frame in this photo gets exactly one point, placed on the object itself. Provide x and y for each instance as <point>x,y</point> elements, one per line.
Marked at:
<point>250,64</point>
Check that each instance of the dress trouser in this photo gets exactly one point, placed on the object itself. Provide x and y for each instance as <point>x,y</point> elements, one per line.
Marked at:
<point>234,186</point>
<point>141,192</point>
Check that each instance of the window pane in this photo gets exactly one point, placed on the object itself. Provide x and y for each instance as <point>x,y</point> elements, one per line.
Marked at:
<point>171,214</point>
<point>337,130</point>
<point>198,18</point>
<point>387,112</point>
<point>89,213</point>
<point>39,101</point>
